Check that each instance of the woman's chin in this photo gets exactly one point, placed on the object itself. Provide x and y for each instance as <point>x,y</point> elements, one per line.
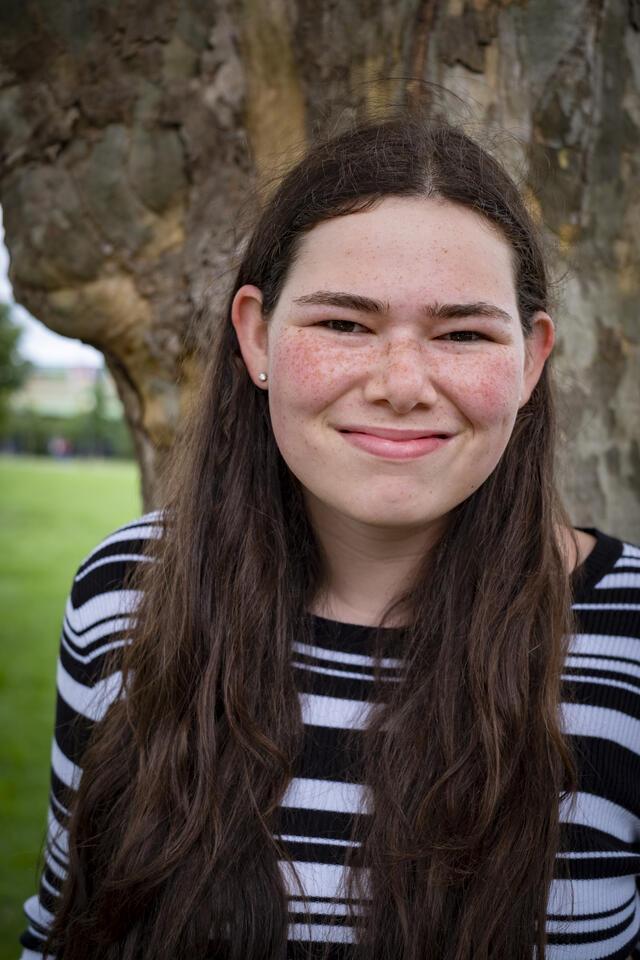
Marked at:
<point>398,517</point>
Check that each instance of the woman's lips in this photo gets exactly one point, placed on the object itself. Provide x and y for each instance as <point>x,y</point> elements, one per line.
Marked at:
<point>394,449</point>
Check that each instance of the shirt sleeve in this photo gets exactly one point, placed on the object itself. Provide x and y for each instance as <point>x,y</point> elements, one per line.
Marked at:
<point>97,621</point>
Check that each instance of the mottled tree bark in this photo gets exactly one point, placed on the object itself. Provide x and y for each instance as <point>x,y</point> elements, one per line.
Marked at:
<point>133,134</point>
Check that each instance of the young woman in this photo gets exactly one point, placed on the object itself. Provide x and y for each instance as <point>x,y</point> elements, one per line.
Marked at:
<point>360,689</point>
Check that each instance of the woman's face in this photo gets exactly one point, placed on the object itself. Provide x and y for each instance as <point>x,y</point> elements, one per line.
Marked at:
<point>400,318</point>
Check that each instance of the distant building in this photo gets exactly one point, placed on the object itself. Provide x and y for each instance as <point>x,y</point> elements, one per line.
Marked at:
<point>66,392</point>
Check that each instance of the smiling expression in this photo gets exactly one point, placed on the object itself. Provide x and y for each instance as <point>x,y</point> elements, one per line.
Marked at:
<point>399,318</point>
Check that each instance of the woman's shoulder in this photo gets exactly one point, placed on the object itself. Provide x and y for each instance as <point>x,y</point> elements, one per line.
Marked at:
<point>607,601</point>
<point>603,661</point>
<point>142,528</point>
<point>97,624</point>
<point>612,564</point>
<point>99,591</point>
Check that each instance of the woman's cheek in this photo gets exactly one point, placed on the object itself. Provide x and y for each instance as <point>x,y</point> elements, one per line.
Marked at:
<point>307,370</point>
<point>489,391</point>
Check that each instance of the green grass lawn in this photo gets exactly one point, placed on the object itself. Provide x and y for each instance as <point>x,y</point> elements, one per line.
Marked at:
<point>52,514</point>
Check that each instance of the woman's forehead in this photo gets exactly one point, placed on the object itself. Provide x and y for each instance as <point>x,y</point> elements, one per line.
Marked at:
<point>404,247</point>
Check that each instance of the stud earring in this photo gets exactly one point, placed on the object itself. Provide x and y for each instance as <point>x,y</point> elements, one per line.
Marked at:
<point>262,376</point>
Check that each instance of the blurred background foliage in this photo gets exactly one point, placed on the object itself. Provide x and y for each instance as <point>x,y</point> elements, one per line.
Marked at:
<point>14,369</point>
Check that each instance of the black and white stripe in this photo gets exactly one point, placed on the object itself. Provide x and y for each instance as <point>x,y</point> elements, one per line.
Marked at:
<point>594,905</point>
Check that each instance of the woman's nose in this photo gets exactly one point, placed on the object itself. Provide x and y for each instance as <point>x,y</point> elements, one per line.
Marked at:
<point>402,374</point>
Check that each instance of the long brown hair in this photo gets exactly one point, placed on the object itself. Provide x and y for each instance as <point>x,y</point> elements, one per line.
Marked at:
<point>172,853</point>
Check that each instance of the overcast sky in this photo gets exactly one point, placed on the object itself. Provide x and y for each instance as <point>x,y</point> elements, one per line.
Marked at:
<point>38,343</point>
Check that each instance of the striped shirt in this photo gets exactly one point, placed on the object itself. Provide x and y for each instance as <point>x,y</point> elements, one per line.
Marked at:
<point>600,846</point>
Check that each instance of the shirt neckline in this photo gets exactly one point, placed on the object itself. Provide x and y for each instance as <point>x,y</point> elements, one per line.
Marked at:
<point>606,552</point>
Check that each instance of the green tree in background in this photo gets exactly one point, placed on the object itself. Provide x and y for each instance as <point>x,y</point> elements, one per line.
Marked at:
<point>98,428</point>
<point>13,369</point>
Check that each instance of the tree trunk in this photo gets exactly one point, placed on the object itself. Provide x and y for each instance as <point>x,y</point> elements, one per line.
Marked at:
<point>133,133</point>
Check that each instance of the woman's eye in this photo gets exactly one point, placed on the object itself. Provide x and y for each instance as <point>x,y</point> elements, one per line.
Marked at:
<point>341,324</point>
<point>465,334</point>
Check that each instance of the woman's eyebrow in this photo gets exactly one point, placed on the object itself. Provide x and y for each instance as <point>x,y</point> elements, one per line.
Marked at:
<point>348,301</point>
<point>435,311</point>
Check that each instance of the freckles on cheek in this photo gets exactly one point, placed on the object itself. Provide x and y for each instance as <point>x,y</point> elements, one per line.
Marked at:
<point>306,370</point>
<point>493,391</point>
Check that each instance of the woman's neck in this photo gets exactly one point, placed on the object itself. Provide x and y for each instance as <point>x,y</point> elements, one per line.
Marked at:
<point>576,546</point>
<point>365,566</point>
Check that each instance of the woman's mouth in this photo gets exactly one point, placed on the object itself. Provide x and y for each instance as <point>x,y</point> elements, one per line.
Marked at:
<point>406,447</point>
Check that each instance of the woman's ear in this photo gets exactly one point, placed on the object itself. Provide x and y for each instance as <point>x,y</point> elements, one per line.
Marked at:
<point>251,330</point>
<point>538,345</point>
